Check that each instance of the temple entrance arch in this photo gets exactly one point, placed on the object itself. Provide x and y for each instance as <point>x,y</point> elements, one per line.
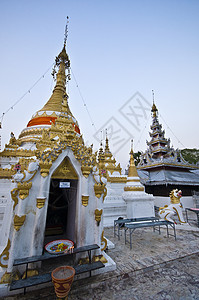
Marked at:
<point>61,213</point>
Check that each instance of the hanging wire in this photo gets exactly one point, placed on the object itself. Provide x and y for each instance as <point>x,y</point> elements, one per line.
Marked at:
<point>28,92</point>
<point>172,131</point>
<point>93,124</point>
<point>142,132</point>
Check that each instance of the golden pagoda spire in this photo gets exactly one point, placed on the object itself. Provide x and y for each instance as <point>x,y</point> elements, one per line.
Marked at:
<point>56,108</point>
<point>132,168</point>
<point>54,105</point>
<point>154,108</point>
<point>109,161</point>
<point>101,152</point>
<point>107,150</point>
<point>62,62</point>
<point>133,180</point>
<point>101,158</point>
<point>59,97</point>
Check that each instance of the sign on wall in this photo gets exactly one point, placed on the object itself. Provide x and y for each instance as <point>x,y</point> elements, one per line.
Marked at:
<point>64,185</point>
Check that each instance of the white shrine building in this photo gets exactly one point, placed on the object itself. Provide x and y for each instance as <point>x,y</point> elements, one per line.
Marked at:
<point>50,185</point>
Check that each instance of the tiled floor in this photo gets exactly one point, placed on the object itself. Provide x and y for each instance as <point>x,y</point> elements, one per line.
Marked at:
<point>157,267</point>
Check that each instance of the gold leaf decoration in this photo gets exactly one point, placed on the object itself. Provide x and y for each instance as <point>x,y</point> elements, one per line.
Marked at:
<point>40,202</point>
<point>24,188</point>
<point>19,221</point>
<point>85,200</point>
<point>98,214</point>
<point>6,254</point>
<point>14,194</point>
<point>103,241</point>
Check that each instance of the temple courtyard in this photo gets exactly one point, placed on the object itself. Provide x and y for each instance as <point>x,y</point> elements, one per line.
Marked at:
<point>157,267</point>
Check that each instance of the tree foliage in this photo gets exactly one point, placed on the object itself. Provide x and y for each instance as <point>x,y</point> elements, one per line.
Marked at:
<point>136,157</point>
<point>191,155</point>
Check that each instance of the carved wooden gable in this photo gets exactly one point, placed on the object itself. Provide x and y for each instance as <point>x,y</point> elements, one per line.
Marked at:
<point>65,170</point>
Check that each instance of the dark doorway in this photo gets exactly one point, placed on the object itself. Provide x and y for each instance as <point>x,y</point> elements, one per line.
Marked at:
<point>60,222</point>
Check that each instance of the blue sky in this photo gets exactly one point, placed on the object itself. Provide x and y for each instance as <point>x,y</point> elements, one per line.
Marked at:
<point>117,48</point>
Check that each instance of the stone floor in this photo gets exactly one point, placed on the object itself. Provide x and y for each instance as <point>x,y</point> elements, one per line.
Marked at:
<point>157,267</point>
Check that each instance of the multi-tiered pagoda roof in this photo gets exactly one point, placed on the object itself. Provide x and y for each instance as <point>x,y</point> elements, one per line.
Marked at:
<point>161,165</point>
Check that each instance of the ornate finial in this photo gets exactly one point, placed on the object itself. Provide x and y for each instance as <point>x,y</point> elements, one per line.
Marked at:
<point>101,145</point>
<point>154,108</point>
<point>131,152</point>
<point>153,96</point>
<point>132,144</point>
<point>66,31</point>
<point>107,144</point>
<point>62,58</point>
<point>132,168</point>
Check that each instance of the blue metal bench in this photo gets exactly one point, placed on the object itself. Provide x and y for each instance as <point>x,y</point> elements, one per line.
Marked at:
<point>121,223</point>
<point>44,278</point>
<point>132,226</point>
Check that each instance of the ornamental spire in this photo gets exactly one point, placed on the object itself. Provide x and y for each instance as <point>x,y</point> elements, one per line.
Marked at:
<point>133,181</point>
<point>56,110</point>
<point>154,108</point>
<point>132,168</point>
<point>62,64</point>
<point>66,31</point>
<point>107,144</point>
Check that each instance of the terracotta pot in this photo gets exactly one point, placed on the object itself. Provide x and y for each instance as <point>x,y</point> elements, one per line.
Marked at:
<point>62,278</point>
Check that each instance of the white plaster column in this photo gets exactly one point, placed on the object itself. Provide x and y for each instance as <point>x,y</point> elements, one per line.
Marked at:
<point>139,205</point>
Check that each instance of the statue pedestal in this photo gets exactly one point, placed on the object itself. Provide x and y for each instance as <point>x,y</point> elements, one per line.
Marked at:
<point>139,204</point>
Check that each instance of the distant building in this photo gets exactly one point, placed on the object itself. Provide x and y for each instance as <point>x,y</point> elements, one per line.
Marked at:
<point>162,168</point>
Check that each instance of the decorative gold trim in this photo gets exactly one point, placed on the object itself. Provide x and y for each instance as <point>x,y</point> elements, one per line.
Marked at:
<point>30,273</point>
<point>6,173</point>
<point>103,241</point>
<point>178,215</point>
<point>132,180</point>
<point>86,170</point>
<point>17,153</point>
<point>85,260</point>
<point>19,221</point>
<point>99,189</point>
<point>117,179</point>
<point>105,193</point>
<point>6,254</point>
<point>99,258</point>
<point>98,214</point>
<point>41,202</point>
<point>6,278</point>
<point>14,197</point>
<point>45,167</point>
<point>134,188</point>
<point>85,200</point>
<point>65,170</point>
<point>24,188</point>
<point>9,277</point>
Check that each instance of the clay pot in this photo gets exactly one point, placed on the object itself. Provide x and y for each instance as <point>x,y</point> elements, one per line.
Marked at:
<point>62,278</point>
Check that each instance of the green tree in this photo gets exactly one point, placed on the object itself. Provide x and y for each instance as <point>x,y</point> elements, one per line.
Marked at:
<point>190,155</point>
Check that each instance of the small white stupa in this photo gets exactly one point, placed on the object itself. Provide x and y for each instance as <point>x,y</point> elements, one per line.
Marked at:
<point>139,203</point>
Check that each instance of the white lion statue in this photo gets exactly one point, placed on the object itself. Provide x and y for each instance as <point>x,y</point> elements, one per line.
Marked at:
<point>175,208</point>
